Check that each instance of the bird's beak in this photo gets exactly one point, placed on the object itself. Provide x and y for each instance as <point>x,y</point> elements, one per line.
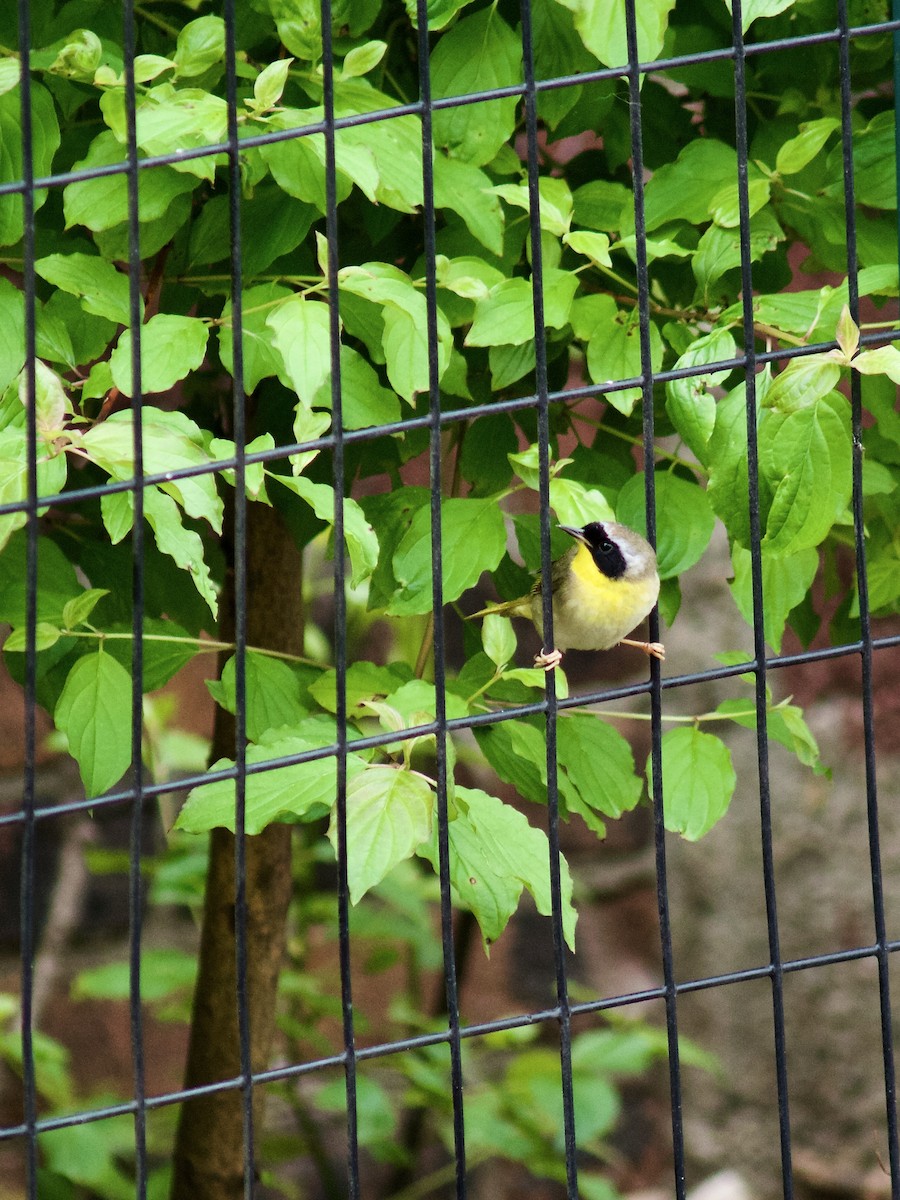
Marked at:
<point>573,531</point>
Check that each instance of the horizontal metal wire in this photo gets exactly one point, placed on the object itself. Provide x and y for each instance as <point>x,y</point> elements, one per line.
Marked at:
<point>510,404</point>
<point>455,725</point>
<point>415,109</point>
<point>423,1041</point>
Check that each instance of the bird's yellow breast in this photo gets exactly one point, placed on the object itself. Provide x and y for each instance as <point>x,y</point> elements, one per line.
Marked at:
<point>592,611</point>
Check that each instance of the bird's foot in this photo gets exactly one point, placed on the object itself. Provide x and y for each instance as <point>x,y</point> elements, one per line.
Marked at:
<point>654,649</point>
<point>548,659</point>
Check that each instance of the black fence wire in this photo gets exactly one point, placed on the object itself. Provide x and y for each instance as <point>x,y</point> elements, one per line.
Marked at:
<point>29,820</point>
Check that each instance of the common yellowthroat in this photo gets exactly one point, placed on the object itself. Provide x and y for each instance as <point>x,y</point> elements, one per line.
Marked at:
<point>602,587</point>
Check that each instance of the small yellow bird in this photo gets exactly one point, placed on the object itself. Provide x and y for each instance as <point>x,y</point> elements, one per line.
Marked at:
<point>602,588</point>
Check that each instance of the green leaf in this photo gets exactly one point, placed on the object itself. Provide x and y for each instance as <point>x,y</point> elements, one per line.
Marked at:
<point>10,74</point>
<point>280,223</point>
<point>600,204</point>
<point>681,190</point>
<point>575,504</point>
<point>364,402</point>
<point>162,659</point>
<point>685,519</point>
<point>149,66</point>
<point>594,246</point>
<point>751,9</point>
<point>87,1158</point>
<point>254,472</point>
<point>364,681</point>
<point>883,360</point>
<point>405,335</point>
<point>12,333</point>
<point>601,24</point>
<point>80,57</point>
<point>53,339</point>
<point>802,382</point>
<point>689,402</point>
<point>786,580</point>
<point>94,712</point>
<point>57,581</point>
<point>785,724</point>
<point>518,753</point>
<point>555,207</point>
<point>393,148</point>
<point>796,153</point>
<point>273,694</point>
<point>363,59</point>
<point>362,543</point>
<point>505,316</point>
<point>45,636</point>
<point>269,84</point>
<point>51,404</point>
<point>494,853</point>
<point>117,512</point>
<point>480,52</point>
<point>77,611</point>
<point>200,45</point>
<point>261,358</point>
<point>305,791</point>
<point>45,139</point>
<point>727,458</point>
<point>163,972</point>
<point>498,639</point>
<point>725,208</point>
<point>171,347</point>
<point>102,289</point>
<point>508,364</point>
<point>483,455</point>
<point>89,336</point>
<point>301,334</point>
<point>473,539</point>
<point>102,203</point>
<point>805,459</point>
<point>391,513</point>
<point>875,180</point>
<point>184,546</point>
<point>466,190</point>
<point>389,815</point>
<point>719,250</point>
<point>614,352</point>
<point>170,441</point>
<point>51,477</point>
<point>598,763</point>
<point>698,781</point>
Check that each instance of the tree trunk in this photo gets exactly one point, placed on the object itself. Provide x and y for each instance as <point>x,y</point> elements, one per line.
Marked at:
<point>209,1153</point>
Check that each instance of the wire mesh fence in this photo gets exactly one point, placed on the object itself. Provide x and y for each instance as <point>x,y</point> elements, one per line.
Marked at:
<point>442,246</point>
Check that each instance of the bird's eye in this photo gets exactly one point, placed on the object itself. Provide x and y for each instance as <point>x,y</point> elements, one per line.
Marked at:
<point>606,546</point>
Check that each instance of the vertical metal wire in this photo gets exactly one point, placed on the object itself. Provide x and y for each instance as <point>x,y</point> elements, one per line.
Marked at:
<point>659,827</point>
<point>437,595</point>
<point>340,603</point>
<point>759,637</point>
<point>240,608</point>
<point>29,832</point>
<point>895,37</point>
<point>541,396</point>
<point>862,582</point>
<point>135,880</point>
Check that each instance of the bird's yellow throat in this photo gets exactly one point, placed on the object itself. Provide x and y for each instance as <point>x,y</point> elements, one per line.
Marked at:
<point>597,598</point>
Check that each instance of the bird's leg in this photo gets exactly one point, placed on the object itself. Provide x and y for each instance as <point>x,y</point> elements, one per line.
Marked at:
<point>656,649</point>
<point>548,659</point>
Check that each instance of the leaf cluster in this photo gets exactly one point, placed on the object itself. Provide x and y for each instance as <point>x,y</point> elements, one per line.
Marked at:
<point>476,348</point>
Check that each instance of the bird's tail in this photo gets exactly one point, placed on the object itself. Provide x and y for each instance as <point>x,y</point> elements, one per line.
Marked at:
<point>509,608</point>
